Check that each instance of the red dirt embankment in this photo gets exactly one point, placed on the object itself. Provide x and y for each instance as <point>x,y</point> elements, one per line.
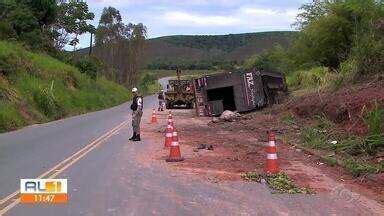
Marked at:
<point>345,107</point>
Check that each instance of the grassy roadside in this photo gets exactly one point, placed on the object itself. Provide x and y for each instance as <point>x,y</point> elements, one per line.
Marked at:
<point>356,154</point>
<point>359,154</point>
<point>36,88</point>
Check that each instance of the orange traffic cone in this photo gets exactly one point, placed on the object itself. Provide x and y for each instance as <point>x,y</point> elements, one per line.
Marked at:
<point>168,136</point>
<point>174,153</point>
<point>154,118</point>
<point>170,122</point>
<point>272,165</point>
<point>170,115</point>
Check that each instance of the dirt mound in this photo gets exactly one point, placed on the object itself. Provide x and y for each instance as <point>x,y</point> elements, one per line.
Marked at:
<point>345,107</point>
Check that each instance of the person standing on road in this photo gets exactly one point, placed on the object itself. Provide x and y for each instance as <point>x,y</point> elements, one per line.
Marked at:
<point>137,112</point>
<point>161,98</point>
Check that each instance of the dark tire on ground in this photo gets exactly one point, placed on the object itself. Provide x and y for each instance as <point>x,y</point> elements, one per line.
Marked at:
<point>168,105</point>
<point>189,106</point>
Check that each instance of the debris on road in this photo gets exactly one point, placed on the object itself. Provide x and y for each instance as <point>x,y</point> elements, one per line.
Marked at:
<point>215,120</point>
<point>204,146</point>
<point>279,182</point>
<point>229,116</point>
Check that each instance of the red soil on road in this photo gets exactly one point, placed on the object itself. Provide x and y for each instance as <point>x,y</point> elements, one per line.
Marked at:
<point>239,145</point>
<point>239,148</point>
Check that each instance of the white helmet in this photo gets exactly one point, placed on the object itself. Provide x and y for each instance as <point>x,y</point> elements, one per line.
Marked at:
<point>134,89</point>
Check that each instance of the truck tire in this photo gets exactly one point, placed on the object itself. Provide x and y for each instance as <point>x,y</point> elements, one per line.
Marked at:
<point>168,105</point>
<point>189,106</point>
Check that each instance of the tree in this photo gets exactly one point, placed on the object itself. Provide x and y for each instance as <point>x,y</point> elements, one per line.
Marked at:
<point>72,22</point>
<point>28,21</point>
<point>311,12</point>
<point>138,36</point>
<point>45,11</point>
<point>111,29</point>
<point>276,59</point>
<point>330,29</point>
<point>120,46</point>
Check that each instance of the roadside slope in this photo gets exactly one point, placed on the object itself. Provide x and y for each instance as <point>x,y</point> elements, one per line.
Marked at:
<point>36,88</point>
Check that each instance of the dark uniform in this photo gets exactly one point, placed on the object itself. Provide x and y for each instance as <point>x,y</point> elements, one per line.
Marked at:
<point>161,99</point>
<point>137,112</point>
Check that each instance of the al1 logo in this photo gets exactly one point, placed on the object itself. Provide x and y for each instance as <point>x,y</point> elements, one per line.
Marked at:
<point>43,191</point>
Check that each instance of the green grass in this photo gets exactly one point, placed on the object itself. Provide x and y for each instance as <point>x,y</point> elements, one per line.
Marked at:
<point>10,117</point>
<point>50,89</point>
<point>318,77</point>
<point>289,119</point>
<point>374,118</point>
<point>330,161</point>
<point>319,136</point>
<point>353,150</point>
<point>358,167</point>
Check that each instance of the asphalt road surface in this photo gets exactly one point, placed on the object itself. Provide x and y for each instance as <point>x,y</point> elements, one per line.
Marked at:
<point>105,176</point>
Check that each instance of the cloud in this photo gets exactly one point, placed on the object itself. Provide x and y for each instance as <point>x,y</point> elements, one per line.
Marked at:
<point>258,17</point>
<point>170,2</point>
<point>178,18</point>
<point>247,17</point>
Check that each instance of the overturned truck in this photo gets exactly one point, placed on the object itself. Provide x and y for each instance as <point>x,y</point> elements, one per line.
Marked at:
<point>237,91</point>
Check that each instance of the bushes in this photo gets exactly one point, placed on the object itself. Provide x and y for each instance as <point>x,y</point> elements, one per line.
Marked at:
<point>342,29</point>
<point>313,78</point>
<point>148,84</point>
<point>46,102</point>
<point>369,56</point>
<point>276,59</point>
<point>88,65</point>
<point>345,36</point>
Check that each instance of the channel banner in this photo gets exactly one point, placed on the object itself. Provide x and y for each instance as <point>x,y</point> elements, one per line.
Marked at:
<point>43,191</point>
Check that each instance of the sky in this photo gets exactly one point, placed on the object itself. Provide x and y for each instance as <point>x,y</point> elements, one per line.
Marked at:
<point>201,17</point>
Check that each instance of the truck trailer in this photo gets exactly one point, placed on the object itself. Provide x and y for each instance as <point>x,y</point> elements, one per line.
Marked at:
<point>239,91</point>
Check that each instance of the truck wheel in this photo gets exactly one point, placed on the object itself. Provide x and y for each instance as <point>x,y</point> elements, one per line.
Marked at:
<point>168,105</point>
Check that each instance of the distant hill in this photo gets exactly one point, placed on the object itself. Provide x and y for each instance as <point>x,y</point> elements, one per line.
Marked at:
<point>217,47</point>
<point>187,49</point>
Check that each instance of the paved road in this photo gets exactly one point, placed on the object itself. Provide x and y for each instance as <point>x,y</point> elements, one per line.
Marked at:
<point>111,180</point>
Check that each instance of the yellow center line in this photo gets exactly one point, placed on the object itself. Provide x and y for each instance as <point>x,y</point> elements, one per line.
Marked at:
<point>63,164</point>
